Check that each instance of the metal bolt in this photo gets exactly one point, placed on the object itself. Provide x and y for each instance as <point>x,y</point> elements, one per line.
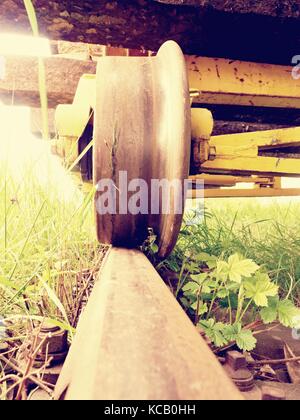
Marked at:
<point>54,340</point>
<point>236,367</point>
<point>270,393</point>
<point>236,360</point>
<point>49,328</point>
<point>54,344</point>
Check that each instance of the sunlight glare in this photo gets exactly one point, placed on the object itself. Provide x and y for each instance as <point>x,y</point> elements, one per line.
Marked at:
<point>24,45</point>
<point>21,153</point>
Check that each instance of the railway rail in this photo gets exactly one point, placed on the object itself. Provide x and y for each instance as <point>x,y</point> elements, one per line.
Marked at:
<point>134,342</point>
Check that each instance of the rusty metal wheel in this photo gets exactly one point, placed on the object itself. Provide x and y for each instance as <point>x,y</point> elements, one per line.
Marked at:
<point>141,127</point>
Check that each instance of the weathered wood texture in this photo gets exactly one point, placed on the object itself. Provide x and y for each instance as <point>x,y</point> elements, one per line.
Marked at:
<point>266,31</point>
<point>20,82</point>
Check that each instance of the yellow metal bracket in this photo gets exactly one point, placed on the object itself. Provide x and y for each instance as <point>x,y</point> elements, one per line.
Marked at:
<point>273,152</point>
<point>71,120</point>
<point>228,186</point>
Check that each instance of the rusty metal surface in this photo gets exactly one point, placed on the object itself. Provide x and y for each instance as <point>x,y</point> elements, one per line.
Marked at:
<point>237,369</point>
<point>135,342</point>
<point>142,116</point>
<point>53,342</point>
<point>232,82</point>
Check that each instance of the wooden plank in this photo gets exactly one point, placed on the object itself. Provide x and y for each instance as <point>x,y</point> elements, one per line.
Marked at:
<point>20,81</point>
<point>134,342</point>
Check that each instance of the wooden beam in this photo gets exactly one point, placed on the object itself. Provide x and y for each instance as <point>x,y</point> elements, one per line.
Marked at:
<point>135,342</point>
<point>20,81</point>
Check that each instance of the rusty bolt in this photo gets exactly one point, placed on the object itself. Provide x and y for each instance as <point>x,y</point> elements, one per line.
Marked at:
<point>270,393</point>
<point>236,367</point>
<point>55,340</point>
<point>49,328</point>
<point>54,344</point>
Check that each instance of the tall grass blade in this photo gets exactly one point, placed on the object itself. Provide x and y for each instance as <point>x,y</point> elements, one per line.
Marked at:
<point>41,70</point>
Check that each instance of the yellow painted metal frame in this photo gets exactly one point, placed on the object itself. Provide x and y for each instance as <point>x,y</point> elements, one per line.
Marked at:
<point>231,181</point>
<point>232,82</point>
<point>71,120</point>
<point>227,186</point>
<point>240,153</point>
<point>245,192</point>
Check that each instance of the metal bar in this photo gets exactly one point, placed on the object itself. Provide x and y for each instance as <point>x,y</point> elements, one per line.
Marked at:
<point>244,153</point>
<point>232,82</point>
<point>266,166</point>
<point>251,192</point>
<point>284,137</point>
<point>227,180</point>
<point>135,342</point>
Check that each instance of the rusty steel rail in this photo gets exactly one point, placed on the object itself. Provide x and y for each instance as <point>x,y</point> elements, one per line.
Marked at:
<point>135,342</point>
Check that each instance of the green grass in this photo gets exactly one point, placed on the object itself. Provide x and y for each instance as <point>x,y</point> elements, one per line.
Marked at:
<point>47,238</point>
<point>266,231</point>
